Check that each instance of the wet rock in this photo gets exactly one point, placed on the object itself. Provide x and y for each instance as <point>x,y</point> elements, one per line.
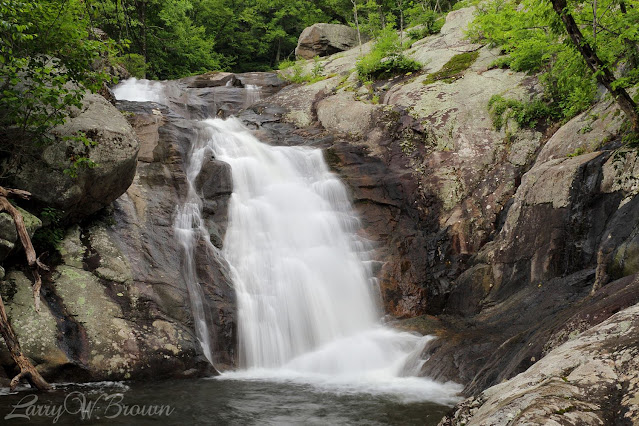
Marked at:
<point>213,79</point>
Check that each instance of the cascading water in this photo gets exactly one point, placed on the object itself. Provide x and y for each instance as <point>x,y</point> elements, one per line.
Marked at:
<point>306,298</point>
<point>189,228</point>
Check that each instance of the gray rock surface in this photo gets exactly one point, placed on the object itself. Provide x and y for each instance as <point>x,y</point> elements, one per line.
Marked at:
<point>115,155</point>
<point>326,39</point>
<point>592,379</point>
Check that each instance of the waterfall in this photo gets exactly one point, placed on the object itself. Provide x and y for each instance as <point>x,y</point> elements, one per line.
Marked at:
<point>307,300</point>
<point>253,94</point>
<point>139,90</point>
<point>293,248</point>
<point>189,227</point>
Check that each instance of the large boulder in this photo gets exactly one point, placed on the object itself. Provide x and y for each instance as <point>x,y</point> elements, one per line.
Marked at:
<point>325,39</point>
<point>115,156</point>
<point>592,379</point>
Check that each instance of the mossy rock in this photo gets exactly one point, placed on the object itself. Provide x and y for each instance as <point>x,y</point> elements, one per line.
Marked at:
<point>454,68</point>
<point>8,233</point>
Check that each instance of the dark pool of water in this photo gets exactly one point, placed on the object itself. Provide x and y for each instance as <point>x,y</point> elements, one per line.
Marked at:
<point>212,402</point>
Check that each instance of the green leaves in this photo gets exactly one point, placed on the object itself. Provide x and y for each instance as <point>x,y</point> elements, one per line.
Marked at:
<point>534,39</point>
<point>386,59</point>
<point>48,52</point>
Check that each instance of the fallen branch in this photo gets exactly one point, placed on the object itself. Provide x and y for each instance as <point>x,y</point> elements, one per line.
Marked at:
<point>27,370</point>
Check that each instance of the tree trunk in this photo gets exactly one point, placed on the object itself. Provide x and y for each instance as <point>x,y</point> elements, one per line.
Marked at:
<point>603,74</point>
<point>27,370</point>
<point>359,36</point>
<point>279,51</point>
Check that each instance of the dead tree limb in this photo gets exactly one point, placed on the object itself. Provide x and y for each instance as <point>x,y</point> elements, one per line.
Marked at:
<point>27,370</point>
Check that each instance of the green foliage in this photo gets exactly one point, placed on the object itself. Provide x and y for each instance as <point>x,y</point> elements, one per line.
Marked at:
<point>132,62</point>
<point>294,71</point>
<point>454,68</point>
<point>183,37</point>
<point>47,53</point>
<point>577,152</point>
<point>374,18</point>
<point>386,59</point>
<point>526,114</point>
<point>318,68</point>
<point>286,64</point>
<point>426,21</point>
<point>534,39</point>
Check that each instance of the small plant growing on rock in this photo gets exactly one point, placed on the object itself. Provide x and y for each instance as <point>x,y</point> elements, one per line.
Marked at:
<point>577,152</point>
<point>454,68</point>
<point>526,114</point>
<point>294,72</point>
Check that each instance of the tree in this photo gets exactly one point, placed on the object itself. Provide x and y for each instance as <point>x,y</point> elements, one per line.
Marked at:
<point>600,69</point>
<point>534,38</point>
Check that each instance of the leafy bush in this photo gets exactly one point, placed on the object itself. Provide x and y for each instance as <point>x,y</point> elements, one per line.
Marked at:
<point>454,68</point>
<point>526,114</point>
<point>47,53</point>
<point>386,59</point>
<point>133,63</point>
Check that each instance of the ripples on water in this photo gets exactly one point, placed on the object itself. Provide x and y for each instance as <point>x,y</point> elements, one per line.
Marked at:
<point>239,402</point>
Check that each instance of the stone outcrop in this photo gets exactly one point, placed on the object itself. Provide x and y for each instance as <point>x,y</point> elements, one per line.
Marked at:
<point>115,156</point>
<point>427,157</point>
<point>326,39</point>
<point>8,234</point>
<point>592,379</point>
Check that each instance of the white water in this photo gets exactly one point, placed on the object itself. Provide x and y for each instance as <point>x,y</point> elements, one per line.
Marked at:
<point>189,228</point>
<point>139,90</point>
<point>306,299</point>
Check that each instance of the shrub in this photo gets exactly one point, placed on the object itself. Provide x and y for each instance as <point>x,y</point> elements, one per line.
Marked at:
<point>426,21</point>
<point>526,114</point>
<point>386,59</point>
<point>133,63</point>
